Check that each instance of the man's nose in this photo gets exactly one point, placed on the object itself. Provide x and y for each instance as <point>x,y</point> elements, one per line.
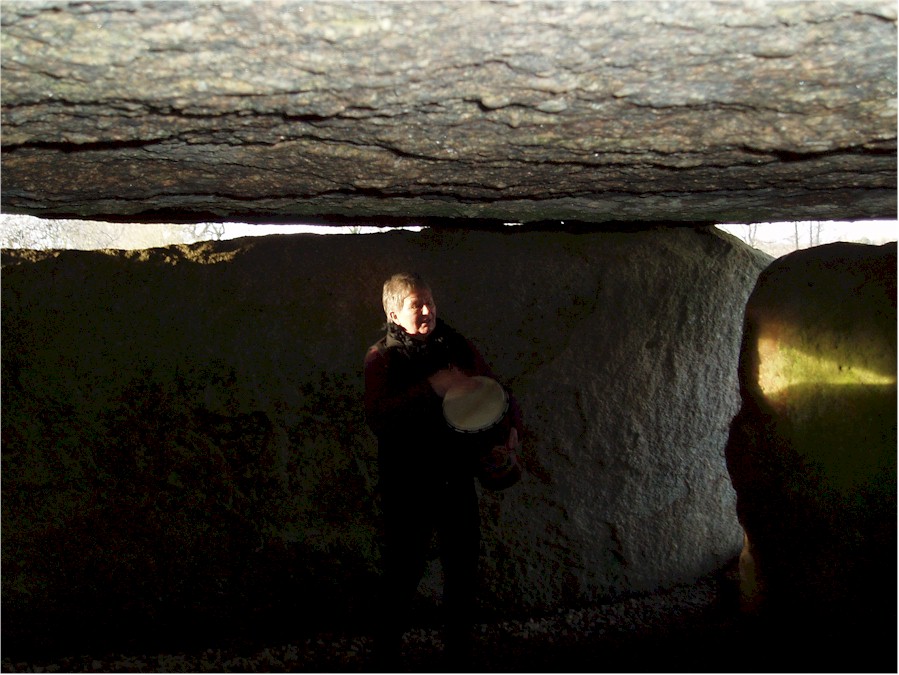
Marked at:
<point>425,309</point>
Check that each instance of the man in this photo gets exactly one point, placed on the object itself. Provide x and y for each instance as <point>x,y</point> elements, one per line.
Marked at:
<point>426,475</point>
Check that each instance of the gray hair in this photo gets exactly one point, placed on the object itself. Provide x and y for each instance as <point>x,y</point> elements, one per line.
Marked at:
<point>398,287</point>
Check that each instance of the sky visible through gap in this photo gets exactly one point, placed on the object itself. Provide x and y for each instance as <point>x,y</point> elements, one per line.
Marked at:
<point>17,231</point>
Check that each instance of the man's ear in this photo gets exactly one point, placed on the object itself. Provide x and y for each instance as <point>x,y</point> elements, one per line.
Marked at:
<point>392,316</point>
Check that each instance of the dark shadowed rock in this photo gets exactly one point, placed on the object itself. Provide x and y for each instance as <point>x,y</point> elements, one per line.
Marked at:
<point>812,452</point>
<point>183,436</point>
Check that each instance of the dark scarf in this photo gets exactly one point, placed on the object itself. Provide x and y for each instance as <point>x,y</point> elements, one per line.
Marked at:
<point>426,356</point>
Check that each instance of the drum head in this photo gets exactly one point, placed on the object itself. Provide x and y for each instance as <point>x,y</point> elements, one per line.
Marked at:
<point>477,409</point>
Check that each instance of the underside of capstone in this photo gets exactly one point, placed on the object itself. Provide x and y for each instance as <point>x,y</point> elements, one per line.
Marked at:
<point>681,112</point>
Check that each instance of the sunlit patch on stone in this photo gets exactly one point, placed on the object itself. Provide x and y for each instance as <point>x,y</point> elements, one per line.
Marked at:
<point>782,366</point>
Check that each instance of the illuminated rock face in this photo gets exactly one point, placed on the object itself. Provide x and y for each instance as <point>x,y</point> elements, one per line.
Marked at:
<point>183,432</point>
<point>812,452</point>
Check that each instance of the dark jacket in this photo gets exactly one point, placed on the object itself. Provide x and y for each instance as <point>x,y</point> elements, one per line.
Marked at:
<point>416,448</point>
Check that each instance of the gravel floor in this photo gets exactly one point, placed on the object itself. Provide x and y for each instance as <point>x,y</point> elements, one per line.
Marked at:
<point>682,630</point>
<point>694,628</point>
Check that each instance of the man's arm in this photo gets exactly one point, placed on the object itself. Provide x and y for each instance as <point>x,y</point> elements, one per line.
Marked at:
<point>386,409</point>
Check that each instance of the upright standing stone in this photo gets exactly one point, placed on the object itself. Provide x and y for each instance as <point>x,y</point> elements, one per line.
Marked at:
<point>812,453</point>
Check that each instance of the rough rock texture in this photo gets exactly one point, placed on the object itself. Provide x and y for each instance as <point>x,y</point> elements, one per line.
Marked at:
<point>183,434</point>
<point>506,111</point>
<point>812,452</point>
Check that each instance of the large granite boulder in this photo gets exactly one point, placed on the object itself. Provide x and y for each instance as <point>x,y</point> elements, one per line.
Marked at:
<point>183,436</point>
<point>812,453</point>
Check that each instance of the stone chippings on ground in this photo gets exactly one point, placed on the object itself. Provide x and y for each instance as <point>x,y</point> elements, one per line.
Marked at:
<point>511,645</point>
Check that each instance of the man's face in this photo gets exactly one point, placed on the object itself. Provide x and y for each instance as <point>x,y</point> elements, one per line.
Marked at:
<point>418,315</point>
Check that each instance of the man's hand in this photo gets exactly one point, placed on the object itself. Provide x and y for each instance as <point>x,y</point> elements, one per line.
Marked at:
<point>512,443</point>
<point>444,380</point>
<point>502,458</point>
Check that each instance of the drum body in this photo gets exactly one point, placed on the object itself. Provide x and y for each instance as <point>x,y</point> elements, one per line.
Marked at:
<point>481,415</point>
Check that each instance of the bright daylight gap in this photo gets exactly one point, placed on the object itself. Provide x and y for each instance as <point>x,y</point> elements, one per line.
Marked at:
<point>29,232</point>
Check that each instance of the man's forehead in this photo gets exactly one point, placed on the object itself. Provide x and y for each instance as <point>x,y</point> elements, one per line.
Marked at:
<point>418,294</point>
